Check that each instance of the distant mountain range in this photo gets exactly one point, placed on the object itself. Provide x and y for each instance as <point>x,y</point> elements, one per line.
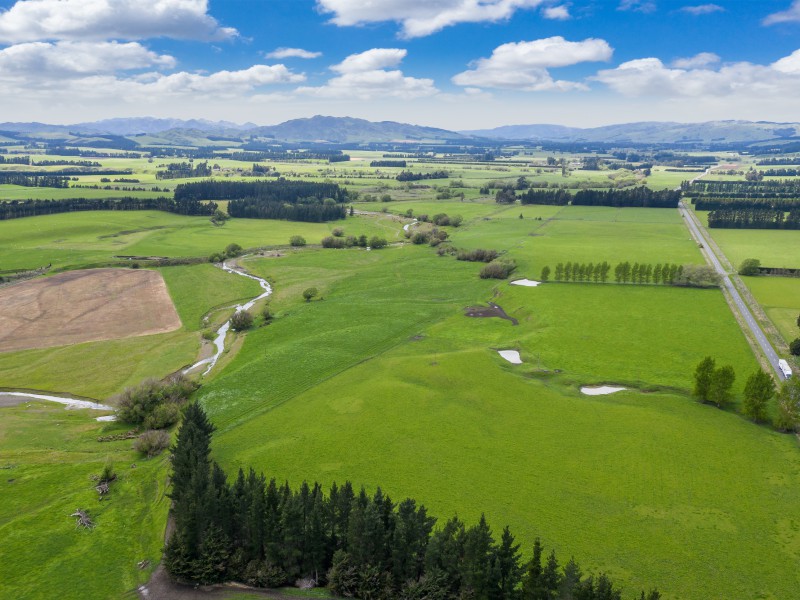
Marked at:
<point>344,130</point>
<point>653,132</point>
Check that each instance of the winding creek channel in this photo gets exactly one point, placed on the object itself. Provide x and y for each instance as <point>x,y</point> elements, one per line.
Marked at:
<point>219,344</point>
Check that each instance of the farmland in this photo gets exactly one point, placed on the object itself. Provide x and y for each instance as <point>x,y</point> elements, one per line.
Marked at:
<point>381,380</point>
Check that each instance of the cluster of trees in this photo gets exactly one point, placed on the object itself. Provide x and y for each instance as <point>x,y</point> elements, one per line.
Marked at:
<point>434,237</point>
<point>254,208</point>
<point>50,181</point>
<point>743,189</point>
<point>780,172</point>
<point>715,203</point>
<point>754,218</point>
<point>266,534</point>
<point>276,191</point>
<point>388,163</point>
<point>333,241</point>
<point>498,269</point>
<point>68,163</point>
<point>334,158</point>
<point>15,209</point>
<point>231,251</point>
<point>15,160</point>
<point>409,176</point>
<point>184,170</point>
<point>443,220</point>
<point>634,197</point>
<point>713,384</point>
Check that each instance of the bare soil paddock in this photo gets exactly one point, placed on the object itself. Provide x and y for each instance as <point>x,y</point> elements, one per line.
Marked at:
<point>85,306</point>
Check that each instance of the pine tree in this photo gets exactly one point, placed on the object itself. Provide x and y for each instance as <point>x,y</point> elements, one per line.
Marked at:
<point>570,579</point>
<point>478,546</point>
<point>509,571</point>
<point>532,580</point>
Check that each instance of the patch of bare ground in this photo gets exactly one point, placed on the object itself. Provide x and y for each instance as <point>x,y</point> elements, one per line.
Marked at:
<point>493,310</point>
<point>85,306</point>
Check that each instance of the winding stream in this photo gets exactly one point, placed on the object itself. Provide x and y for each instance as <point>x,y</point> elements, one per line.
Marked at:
<point>219,343</point>
<point>222,332</point>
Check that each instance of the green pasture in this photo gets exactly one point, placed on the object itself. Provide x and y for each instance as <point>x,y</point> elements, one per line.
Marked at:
<point>48,456</point>
<point>780,299</point>
<point>430,411</point>
<point>71,239</point>
<point>18,192</point>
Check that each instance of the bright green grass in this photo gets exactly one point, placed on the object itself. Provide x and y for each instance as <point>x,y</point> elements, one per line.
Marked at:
<point>196,289</point>
<point>48,456</point>
<point>661,179</point>
<point>444,419</point>
<point>19,192</point>
<point>780,249</point>
<point>98,369</point>
<point>780,298</point>
<point>86,237</point>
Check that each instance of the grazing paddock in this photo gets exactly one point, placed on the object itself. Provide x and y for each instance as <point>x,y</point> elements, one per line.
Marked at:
<point>85,306</point>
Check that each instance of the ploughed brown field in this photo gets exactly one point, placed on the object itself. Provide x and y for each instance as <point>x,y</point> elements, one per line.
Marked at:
<point>85,306</point>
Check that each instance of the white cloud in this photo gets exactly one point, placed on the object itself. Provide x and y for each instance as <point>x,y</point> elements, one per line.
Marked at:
<point>735,82</point>
<point>703,59</point>
<point>702,9</point>
<point>790,15</point>
<point>422,17</point>
<point>34,20</point>
<point>377,58</point>
<point>643,6</point>
<point>557,13</point>
<point>281,53</point>
<point>523,65</point>
<point>36,60</point>
<point>365,76</point>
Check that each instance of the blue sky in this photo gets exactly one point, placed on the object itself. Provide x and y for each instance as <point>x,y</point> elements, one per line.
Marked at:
<point>459,64</point>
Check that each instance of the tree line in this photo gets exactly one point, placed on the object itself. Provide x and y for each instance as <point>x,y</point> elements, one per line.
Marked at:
<point>754,219</point>
<point>275,191</point>
<point>784,204</point>
<point>552,197</point>
<point>637,273</point>
<point>49,181</point>
<point>15,160</point>
<point>388,163</point>
<point>790,160</point>
<point>742,189</point>
<point>780,172</point>
<point>64,151</point>
<point>269,535</point>
<point>633,197</point>
<point>410,176</point>
<point>316,212</point>
<point>15,209</point>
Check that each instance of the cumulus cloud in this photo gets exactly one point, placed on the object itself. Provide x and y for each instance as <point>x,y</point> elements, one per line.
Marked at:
<point>698,60</point>
<point>377,58</point>
<point>643,6</point>
<point>35,20</point>
<point>557,13</point>
<point>524,65</point>
<point>281,53</point>
<point>365,76</point>
<point>422,17</point>
<point>70,59</point>
<point>702,9</point>
<point>790,15</point>
<point>651,77</point>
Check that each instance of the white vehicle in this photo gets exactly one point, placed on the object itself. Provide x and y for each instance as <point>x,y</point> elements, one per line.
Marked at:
<point>785,368</point>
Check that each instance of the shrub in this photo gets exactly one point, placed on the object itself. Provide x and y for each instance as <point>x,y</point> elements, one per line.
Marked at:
<point>750,266</point>
<point>377,243</point>
<point>350,241</point>
<point>208,334</point>
<point>216,258</point>
<point>108,474</point>
<point>337,232</point>
<point>266,314</point>
<point>386,198</point>
<point>152,443</point>
<point>241,320</point>
<point>794,347</point>
<point>310,293</point>
<point>441,219</point>
<point>163,416</point>
<point>456,220</point>
<point>420,238</point>
<point>477,255</point>
<point>498,269</point>
<point>232,250</point>
<point>332,242</point>
<point>297,240</point>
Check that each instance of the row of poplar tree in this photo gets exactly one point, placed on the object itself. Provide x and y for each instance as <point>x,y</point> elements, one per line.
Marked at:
<point>624,272</point>
<point>269,535</point>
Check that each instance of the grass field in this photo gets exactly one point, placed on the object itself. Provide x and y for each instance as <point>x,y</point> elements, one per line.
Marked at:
<point>48,457</point>
<point>780,298</point>
<point>431,411</point>
<point>80,238</point>
<point>779,249</point>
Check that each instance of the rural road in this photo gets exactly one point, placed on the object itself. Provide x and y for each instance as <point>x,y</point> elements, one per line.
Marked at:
<point>696,229</point>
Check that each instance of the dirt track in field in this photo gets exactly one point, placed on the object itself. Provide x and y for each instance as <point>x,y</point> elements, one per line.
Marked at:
<point>85,306</point>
